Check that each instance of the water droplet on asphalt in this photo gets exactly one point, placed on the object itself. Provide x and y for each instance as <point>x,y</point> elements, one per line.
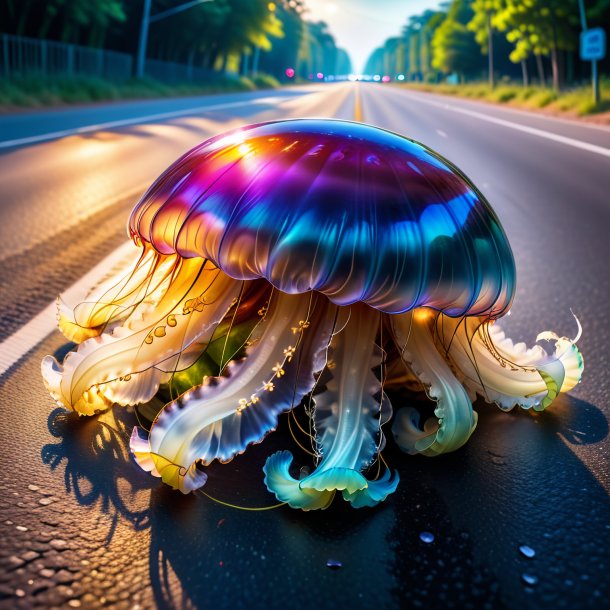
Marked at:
<point>529,579</point>
<point>527,551</point>
<point>426,537</point>
<point>334,564</point>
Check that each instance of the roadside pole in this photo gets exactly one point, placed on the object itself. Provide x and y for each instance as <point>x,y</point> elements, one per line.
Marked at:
<point>147,19</point>
<point>143,40</point>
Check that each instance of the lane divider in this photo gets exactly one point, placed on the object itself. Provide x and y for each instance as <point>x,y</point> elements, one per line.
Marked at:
<point>17,345</point>
<point>357,105</point>
<point>593,148</point>
<point>43,324</point>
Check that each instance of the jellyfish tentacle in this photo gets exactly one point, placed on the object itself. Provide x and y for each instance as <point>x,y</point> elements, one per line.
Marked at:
<point>347,426</point>
<point>456,420</point>
<point>128,365</point>
<point>506,373</point>
<point>219,419</point>
<point>117,298</point>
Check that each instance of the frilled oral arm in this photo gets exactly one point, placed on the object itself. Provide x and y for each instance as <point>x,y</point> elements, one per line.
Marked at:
<point>348,416</point>
<point>116,298</point>
<point>492,366</point>
<point>454,420</point>
<point>222,417</point>
<point>459,358</point>
<point>127,364</point>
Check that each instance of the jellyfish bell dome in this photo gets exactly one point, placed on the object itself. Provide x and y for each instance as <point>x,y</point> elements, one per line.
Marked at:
<point>349,210</point>
<point>306,261</point>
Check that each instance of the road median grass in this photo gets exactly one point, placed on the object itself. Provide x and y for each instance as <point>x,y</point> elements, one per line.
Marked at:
<point>573,102</point>
<point>38,91</point>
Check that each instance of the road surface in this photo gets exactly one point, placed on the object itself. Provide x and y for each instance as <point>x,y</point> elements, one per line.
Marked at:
<point>82,526</point>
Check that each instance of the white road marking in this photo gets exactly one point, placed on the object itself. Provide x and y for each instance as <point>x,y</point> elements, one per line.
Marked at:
<point>135,121</point>
<point>600,150</point>
<point>38,328</point>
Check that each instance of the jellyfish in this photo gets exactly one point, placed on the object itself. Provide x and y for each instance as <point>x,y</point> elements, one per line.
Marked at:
<point>316,263</point>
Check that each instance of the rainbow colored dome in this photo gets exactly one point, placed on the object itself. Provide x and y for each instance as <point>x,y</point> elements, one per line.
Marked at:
<point>349,210</point>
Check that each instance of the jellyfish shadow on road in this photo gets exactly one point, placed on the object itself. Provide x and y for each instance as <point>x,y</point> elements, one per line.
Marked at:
<point>516,482</point>
<point>95,455</point>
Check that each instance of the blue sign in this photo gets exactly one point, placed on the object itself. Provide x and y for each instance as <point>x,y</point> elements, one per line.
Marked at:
<point>592,44</point>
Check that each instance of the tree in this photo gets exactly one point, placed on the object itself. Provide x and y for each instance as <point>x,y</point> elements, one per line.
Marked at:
<point>453,45</point>
<point>482,24</point>
<point>542,27</point>
<point>69,20</point>
<point>284,53</point>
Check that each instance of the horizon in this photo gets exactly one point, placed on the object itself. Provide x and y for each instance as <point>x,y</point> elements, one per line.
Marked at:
<point>351,22</point>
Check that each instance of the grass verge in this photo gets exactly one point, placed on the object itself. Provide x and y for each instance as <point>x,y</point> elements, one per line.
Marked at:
<point>576,101</point>
<point>37,91</point>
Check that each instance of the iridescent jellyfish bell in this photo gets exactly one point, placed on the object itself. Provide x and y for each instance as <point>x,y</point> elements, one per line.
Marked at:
<point>308,259</point>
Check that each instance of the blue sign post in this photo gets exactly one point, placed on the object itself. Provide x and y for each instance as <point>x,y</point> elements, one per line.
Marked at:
<point>592,44</point>
<point>592,48</point>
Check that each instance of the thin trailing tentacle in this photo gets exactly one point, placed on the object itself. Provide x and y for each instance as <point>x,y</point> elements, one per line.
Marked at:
<point>127,365</point>
<point>347,424</point>
<point>219,419</point>
<point>509,374</point>
<point>118,297</point>
<point>455,419</point>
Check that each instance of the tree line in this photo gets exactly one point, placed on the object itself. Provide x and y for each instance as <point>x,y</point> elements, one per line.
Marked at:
<point>531,40</point>
<point>243,36</point>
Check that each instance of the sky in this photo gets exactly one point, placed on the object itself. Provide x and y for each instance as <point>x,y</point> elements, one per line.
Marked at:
<point>359,26</point>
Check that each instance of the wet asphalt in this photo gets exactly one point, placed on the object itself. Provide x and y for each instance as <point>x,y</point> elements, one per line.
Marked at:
<point>82,526</point>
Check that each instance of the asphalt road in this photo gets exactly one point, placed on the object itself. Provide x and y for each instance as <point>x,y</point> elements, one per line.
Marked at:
<point>82,526</point>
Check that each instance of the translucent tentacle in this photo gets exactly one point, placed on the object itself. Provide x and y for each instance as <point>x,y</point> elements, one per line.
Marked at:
<point>116,298</point>
<point>286,488</point>
<point>219,419</point>
<point>127,365</point>
<point>347,423</point>
<point>455,420</point>
<point>506,373</point>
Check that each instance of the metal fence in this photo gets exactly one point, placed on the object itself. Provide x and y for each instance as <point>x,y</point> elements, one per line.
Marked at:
<point>22,56</point>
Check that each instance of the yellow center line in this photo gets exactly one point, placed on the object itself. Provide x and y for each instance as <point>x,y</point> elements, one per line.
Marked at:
<point>357,105</point>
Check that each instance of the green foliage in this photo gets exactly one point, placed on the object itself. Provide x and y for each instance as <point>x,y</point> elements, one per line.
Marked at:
<point>531,33</point>
<point>503,94</point>
<point>35,90</point>
<point>540,27</point>
<point>542,98</point>
<point>454,46</point>
<point>265,81</point>
<point>540,24</point>
<point>484,10</point>
<point>577,101</point>
<point>411,53</point>
<point>222,35</point>
<point>319,52</point>
<point>66,20</point>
